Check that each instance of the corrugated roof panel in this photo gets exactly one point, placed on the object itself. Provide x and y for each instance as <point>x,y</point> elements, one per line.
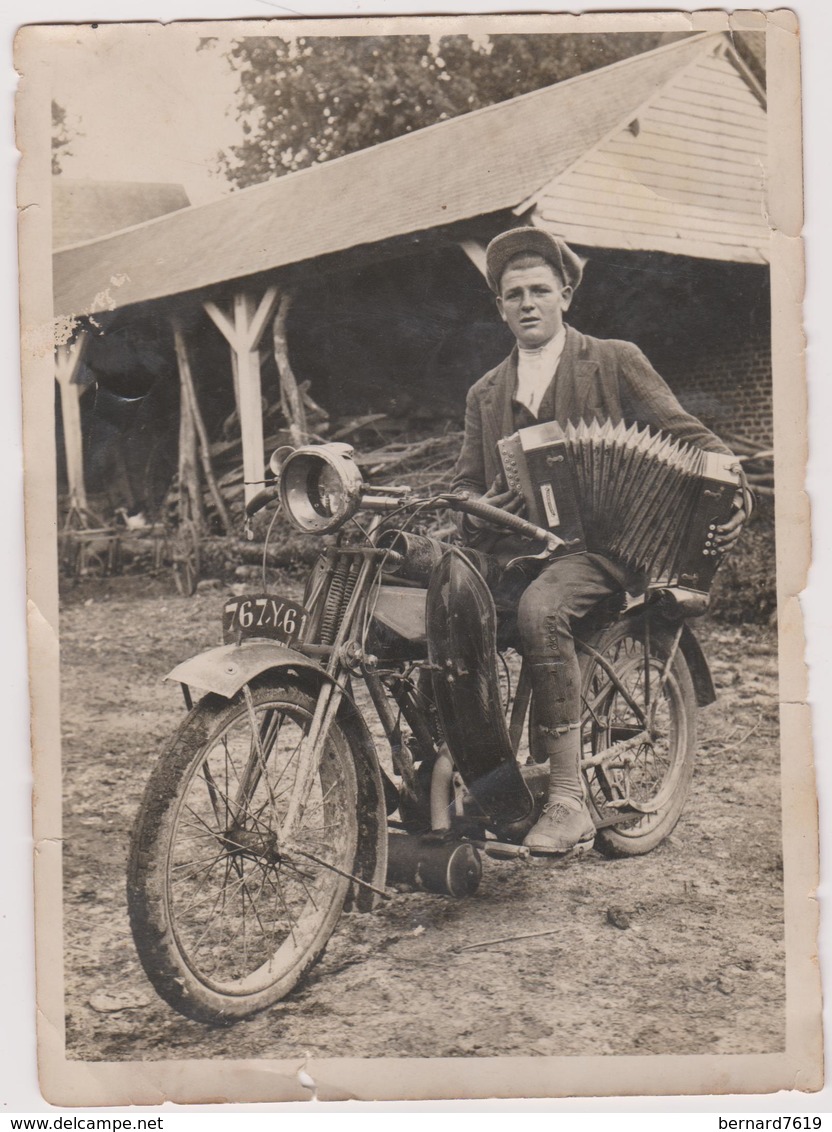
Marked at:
<point>472,165</point>
<point>688,175</point>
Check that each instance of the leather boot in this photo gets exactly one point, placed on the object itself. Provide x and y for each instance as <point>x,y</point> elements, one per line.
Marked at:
<point>566,823</point>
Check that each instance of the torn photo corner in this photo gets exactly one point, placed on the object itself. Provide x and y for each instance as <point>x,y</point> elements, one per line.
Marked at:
<point>407,822</point>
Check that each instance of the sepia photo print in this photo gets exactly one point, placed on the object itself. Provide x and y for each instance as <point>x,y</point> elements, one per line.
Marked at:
<point>414,418</point>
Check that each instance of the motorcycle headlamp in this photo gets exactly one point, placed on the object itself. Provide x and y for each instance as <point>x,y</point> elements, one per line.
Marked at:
<point>319,485</point>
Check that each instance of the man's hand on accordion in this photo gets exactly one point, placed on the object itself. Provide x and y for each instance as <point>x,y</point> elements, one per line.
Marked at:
<point>729,532</point>
<point>498,495</point>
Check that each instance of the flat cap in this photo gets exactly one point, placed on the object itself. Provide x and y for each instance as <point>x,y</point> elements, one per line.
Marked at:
<point>536,241</point>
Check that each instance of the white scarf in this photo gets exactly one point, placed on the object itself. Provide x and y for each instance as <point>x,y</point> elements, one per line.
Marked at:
<point>535,370</point>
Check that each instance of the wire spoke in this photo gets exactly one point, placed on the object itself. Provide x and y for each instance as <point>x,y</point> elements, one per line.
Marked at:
<point>196,904</point>
<point>200,820</point>
<point>205,868</point>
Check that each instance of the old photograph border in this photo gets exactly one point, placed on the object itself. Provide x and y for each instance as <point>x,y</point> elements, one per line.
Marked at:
<point>68,1082</point>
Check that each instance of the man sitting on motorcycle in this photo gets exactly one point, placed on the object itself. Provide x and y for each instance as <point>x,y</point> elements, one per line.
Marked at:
<point>556,373</point>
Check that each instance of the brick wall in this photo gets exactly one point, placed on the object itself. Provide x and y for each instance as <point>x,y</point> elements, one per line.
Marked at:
<point>705,326</point>
<point>729,388</point>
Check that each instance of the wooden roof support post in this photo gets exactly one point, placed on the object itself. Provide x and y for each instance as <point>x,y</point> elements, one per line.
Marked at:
<point>291,399</point>
<point>244,334</point>
<point>188,394</point>
<point>68,359</point>
<point>191,510</point>
<point>476,253</point>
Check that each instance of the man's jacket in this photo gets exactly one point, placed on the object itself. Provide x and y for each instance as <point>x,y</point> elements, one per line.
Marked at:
<point>596,378</point>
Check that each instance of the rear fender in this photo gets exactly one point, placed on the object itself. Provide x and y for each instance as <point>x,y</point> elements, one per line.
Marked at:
<point>700,670</point>
<point>225,670</point>
<point>703,681</point>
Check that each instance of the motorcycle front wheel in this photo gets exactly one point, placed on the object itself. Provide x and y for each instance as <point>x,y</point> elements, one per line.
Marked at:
<point>227,915</point>
<point>634,703</point>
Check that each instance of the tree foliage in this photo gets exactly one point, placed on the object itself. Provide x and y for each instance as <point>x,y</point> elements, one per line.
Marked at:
<point>312,99</point>
<point>61,136</point>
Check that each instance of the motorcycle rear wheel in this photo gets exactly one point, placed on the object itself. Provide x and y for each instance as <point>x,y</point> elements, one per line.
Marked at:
<point>658,773</point>
<point>226,917</point>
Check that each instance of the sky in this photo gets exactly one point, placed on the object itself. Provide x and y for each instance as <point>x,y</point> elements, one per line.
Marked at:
<point>176,102</point>
<point>114,80</point>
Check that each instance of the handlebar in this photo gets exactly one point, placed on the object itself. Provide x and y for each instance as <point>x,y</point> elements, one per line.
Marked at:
<point>462,502</point>
<point>378,499</point>
<point>259,501</point>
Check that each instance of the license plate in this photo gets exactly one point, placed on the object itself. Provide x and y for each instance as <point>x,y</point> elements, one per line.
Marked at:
<point>262,615</point>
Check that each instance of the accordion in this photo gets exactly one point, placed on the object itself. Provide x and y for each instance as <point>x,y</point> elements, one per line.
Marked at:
<point>636,496</point>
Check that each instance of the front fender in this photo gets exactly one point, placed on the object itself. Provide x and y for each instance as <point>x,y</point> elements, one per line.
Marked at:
<point>226,669</point>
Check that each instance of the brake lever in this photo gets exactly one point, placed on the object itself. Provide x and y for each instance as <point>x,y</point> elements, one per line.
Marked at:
<point>541,556</point>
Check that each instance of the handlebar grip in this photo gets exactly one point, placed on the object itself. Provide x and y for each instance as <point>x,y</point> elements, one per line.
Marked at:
<point>259,501</point>
<point>510,522</point>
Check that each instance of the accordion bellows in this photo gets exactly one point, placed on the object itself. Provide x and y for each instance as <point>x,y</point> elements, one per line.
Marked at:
<point>637,496</point>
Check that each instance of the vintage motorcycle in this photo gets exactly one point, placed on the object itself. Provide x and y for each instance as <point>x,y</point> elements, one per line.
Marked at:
<point>270,810</point>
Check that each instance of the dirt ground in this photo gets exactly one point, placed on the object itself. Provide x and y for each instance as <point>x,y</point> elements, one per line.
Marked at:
<point>678,952</point>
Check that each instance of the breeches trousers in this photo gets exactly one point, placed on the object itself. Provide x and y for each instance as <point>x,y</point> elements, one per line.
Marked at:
<point>565,591</point>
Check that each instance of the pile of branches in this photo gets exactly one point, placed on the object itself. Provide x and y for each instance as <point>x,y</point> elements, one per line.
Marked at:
<point>388,449</point>
<point>424,462</point>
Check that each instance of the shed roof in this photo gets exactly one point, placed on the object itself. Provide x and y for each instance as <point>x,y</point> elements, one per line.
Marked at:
<point>469,166</point>
<point>86,209</point>
<point>687,175</point>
